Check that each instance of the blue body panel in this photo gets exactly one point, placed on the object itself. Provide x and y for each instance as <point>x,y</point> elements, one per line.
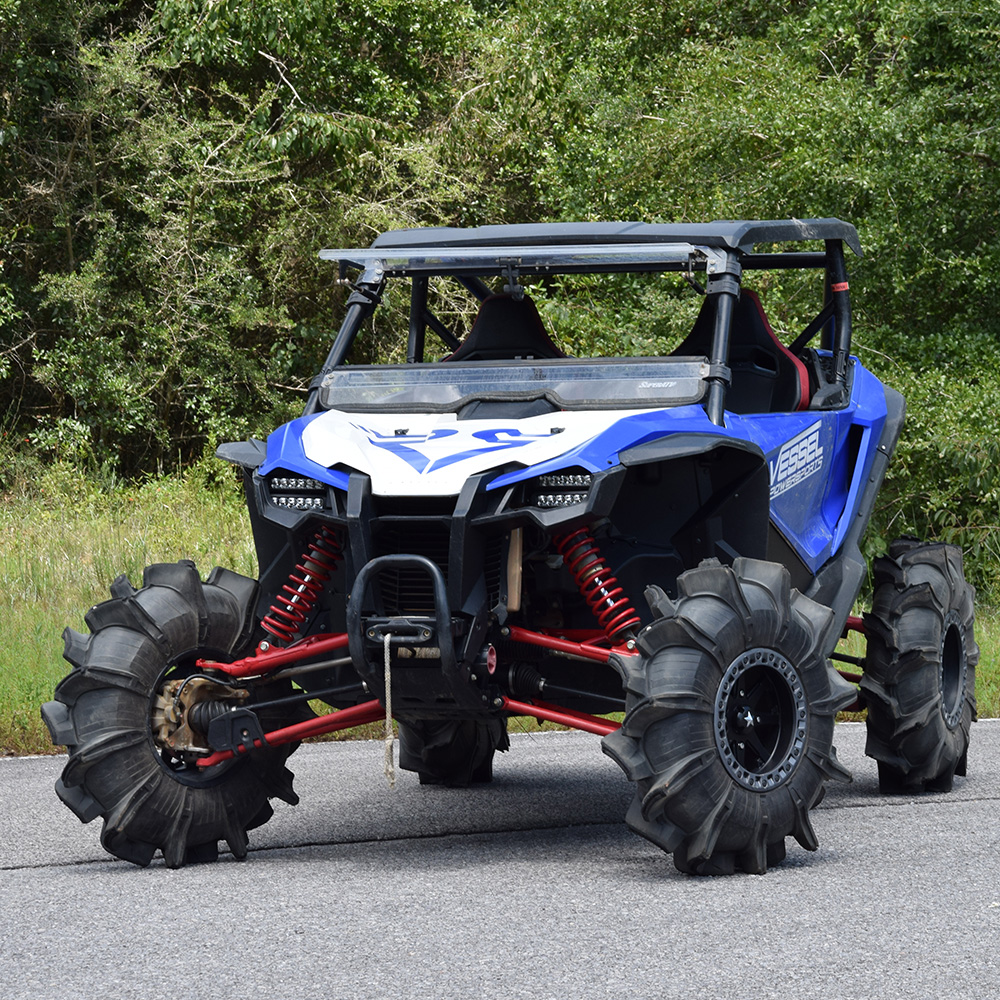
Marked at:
<point>818,465</point>
<point>818,461</point>
<point>602,452</point>
<point>284,451</point>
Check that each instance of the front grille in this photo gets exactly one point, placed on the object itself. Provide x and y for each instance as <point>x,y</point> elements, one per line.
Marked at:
<point>408,590</point>
<point>494,570</point>
<point>393,506</point>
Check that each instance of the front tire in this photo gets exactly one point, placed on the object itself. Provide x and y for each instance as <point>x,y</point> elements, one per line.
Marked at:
<point>118,768</point>
<point>920,667</point>
<point>730,708</point>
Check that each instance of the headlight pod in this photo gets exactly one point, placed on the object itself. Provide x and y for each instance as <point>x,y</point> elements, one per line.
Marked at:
<point>296,492</point>
<point>560,489</point>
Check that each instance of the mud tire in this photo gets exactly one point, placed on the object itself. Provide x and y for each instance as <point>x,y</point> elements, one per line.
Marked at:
<point>453,752</point>
<point>737,640</point>
<point>102,714</point>
<point>920,667</point>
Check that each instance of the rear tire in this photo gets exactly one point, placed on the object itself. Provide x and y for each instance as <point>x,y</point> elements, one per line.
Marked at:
<point>728,732</point>
<point>452,752</point>
<point>920,667</point>
<point>151,799</point>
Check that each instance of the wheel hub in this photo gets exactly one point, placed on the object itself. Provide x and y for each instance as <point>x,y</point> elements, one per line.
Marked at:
<point>761,719</point>
<point>172,713</point>
<point>954,671</point>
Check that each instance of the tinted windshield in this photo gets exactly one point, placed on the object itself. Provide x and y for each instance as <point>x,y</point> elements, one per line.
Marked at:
<point>569,385</point>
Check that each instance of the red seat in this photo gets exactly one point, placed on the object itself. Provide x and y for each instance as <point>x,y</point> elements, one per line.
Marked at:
<point>766,376</point>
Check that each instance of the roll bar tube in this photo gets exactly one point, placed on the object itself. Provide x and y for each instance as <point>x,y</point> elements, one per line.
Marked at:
<point>360,306</point>
<point>418,324</point>
<point>839,291</point>
<point>725,284</point>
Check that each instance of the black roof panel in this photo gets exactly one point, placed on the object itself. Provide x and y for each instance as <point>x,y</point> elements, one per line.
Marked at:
<point>733,235</point>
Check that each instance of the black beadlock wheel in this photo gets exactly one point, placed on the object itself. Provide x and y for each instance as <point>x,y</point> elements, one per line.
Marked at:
<point>920,667</point>
<point>452,752</point>
<point>730,706</point>
<point>150,798</point>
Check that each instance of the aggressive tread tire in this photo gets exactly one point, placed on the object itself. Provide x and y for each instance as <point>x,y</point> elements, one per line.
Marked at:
<point>919,679</point>
<point>456,753</point>
<point>738,649</point>
<point>102,714</point>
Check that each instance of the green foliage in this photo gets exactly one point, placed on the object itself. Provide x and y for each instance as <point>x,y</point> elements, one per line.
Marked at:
<point>375,57</point>
<point>65,535</point>
<point>944,481</point>
<point>881,114</point>
<point>169,169</point>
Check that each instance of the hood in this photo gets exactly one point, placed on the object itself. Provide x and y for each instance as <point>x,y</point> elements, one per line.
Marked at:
<point>433,454</point>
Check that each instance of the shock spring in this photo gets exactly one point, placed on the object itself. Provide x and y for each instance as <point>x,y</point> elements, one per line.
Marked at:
<point>598,586</point>
<point>305,583</point>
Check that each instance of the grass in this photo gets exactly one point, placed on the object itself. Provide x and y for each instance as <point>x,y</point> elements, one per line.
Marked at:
<point>64,538</point>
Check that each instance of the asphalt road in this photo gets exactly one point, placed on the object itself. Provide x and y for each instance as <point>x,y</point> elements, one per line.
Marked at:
<point>531,887</point>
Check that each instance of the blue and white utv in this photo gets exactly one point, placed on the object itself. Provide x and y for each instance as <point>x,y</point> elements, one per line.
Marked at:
<point>662,550</point>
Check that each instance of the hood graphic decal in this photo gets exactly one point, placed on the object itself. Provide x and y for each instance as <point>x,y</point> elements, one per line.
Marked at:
<point>433,454</point>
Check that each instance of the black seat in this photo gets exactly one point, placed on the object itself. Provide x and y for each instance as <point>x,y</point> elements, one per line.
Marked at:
<point>767,377</point>
<point>506,328</point>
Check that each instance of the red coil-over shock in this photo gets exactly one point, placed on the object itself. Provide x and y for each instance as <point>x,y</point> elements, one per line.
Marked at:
<point>305,583</point>
<point>598,586</point>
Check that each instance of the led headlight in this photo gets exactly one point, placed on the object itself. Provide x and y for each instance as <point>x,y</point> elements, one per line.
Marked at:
<point>561,489</point>
<point>296,492</point>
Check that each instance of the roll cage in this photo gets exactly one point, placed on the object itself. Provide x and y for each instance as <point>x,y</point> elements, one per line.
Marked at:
<point>717,253</point>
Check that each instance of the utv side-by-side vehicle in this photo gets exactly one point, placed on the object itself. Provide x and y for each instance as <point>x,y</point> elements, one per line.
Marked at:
<point>494,527</point>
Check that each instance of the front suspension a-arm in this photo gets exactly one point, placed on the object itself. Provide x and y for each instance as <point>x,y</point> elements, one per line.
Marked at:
<point>268,657</point>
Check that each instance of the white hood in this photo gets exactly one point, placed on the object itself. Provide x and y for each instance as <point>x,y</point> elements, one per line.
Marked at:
<point>433,454</point>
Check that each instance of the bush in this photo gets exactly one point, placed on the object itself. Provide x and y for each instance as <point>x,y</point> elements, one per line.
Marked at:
<point>170,169</point>
<point>944,481</point>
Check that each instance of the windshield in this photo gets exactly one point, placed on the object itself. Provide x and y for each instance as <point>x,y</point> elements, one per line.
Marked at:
<point>569,385</point>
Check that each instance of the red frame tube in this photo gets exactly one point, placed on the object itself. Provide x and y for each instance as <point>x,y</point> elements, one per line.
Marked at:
<point>346,718</point>
<point>272,658</point>
<point>266,660</point>
<point>372,711</point>
<point>854,624</point>
<point>584,649</point>
<point>564,716</point>
<point>855,706</point>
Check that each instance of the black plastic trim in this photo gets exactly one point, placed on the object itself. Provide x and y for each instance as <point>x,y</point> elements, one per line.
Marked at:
<point>684,445</point>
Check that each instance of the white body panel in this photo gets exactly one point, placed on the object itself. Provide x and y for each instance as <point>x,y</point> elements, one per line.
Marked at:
<point>433,454</point>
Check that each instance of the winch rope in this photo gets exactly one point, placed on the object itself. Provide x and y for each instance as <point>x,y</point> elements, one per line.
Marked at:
<point>389,767</point>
